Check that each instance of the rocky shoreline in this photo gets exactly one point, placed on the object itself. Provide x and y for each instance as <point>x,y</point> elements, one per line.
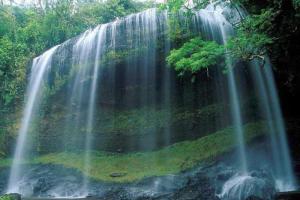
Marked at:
<point>48,182</point>
<point>295,195</point>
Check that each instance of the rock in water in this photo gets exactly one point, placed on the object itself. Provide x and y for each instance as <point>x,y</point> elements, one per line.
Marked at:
<point>245,187</point>
<point>116,175</point>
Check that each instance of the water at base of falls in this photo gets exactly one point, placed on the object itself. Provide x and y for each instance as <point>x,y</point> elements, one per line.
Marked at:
<point>241,187</point>
<point>97,80</point>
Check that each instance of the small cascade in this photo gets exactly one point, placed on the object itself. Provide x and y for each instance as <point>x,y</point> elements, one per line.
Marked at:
<point>34,94</point>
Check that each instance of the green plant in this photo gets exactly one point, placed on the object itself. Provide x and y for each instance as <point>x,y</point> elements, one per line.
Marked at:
<point>195,55</point>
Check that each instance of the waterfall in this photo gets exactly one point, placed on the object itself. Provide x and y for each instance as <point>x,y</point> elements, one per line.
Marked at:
<point>217,28</point>
<point>270,108</point>
<point>38,75</point>
<point>120,66</point>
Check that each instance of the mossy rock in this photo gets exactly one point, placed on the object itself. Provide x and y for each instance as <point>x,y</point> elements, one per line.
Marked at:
<point>173,159</point>
<point>115,127</point>
<point>13,196</point>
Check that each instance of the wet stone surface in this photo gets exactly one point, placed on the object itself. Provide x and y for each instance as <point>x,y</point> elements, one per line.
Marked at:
<point>53,181</point>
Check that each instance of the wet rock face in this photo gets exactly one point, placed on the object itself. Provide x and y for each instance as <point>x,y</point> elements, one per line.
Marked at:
<point>205,182</point>
<point>53,181</point>
<point>4,173</point>
<point>294,195</point>
<point>46,181</point>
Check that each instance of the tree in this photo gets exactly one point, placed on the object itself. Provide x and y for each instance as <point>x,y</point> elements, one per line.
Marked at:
<point>250,42</point>
<point>26,32</point>
<point>195,55</point>
<point>252,37</point>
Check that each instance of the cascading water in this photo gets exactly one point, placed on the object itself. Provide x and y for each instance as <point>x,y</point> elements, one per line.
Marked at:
<point>98,84</point>
<point>269,104</point>
<point>38,75</point>
<point>101,33</point>
<point>268,98</point>
<point>219,29</point>
<point>82,54</point>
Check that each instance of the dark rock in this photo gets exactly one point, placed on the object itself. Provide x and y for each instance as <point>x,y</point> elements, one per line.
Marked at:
<point>294,195</point>
<point>254,198</point>
<point>116,174</point>
<point>202,182</point>
<point>225,175</point>
<point>119,150</point>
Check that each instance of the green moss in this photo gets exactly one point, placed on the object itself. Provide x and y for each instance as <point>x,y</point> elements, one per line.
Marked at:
<point>169,160</point>
<point>138,121</point>
<point>8,197</point>
<point>5,197</point>
<point>129,123</point>
<point>5,162</point>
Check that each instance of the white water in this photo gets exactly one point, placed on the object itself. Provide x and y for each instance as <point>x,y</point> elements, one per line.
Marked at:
<point>283,172</point>
<point>219,29</point>
<point>33,96</point>
<point>101,34</point>
<point>266,91</point>
<point>142,31</point>
<point>241,187</point>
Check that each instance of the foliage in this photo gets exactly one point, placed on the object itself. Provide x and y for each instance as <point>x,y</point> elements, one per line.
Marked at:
<point>247,46</point>
<point>252,39</point>
<point>195,55</point>
<point>296,4</point>
<point>169,160</point>
<point>268,29</point>
<point>176,5</point>
<point>12,74</point>
<point>26,32</point>
<point>9,125</point>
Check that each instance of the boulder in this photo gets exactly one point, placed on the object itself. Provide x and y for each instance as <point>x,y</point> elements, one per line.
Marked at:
<point>293,195</point>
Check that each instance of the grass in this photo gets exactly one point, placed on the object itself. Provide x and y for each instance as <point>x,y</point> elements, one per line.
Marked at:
<point>169,160</point>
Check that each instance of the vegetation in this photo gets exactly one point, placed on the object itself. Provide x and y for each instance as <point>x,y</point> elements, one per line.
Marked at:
<point>136,121</point>
<point>195,55</point>
<point>169,160</point>
<point>10,197</point>
<point>253,40</point>
<point>26,32</point>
